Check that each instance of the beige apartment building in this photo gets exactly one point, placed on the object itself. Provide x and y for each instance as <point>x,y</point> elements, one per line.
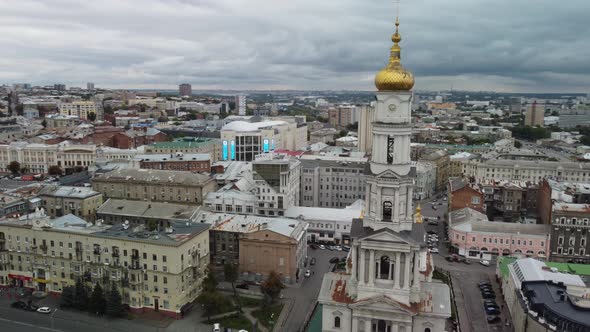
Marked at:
<point>159,271</point>
<point>62,200</point>
<point>154,185</point>
<point>535,115</point>
<point>79,108</point>
<point>37,158</point>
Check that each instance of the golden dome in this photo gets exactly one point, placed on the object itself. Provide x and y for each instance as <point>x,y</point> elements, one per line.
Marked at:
<point>418,215</point>
<point>394,77</point>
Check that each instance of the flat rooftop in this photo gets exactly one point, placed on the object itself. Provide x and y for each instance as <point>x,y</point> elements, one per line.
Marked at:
<point>68,192</point>
<point>152,175</point>
<point>155,210</point>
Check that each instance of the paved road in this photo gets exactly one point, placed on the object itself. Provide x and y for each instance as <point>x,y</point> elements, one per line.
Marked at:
<point>304,295</point>
<point>465,277</point>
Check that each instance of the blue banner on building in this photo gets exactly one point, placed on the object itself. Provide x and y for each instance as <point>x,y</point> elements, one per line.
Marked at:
<point>224,150</point>
<point>233,150</point>
<point>265,145</point>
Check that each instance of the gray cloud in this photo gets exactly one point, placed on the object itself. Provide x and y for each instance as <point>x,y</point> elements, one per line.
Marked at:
<point>299,44</point>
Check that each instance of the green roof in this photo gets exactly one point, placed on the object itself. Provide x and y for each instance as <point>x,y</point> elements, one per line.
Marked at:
<point>185,143</point>
<point>503,262</point>
<point>579,269</point>
<point>315,323</point>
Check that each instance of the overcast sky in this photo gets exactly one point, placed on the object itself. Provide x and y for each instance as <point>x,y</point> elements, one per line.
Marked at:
<point>501,45</point>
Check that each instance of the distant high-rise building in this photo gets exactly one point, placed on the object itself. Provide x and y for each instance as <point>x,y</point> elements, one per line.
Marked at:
<point>90,86</point>
<point>515,106</point>
<point>241,104</point>
<point>535,115</point>
<point>185,89</point>
<point>59,87</point>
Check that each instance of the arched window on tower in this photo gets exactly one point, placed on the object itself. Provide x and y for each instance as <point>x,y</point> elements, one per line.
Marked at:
<point>387,210</point>
<point>337,322</point>
<point>390,145</point>
<point>384,268</point>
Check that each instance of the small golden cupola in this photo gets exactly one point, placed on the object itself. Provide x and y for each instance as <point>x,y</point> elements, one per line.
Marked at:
<point>394,77</point>
<point>418,219</point>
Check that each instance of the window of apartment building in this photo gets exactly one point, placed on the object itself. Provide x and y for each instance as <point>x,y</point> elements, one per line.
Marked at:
<point>583,241</point>
<point>473,239</point>
<point>165,280</point>
<point>218,207</point>
<point>474,200</point>
<point>61,244</point>
<point>52,243</point>
<point>144,255</point>
<point>238,208</point>
<point>154,257</point>
<point>228,208</point>
<point>485,240</point>
<point>560,240</point>
<point>582,252</point>
<point>570,251</point>
<point>248,209</point>
<point>164,258</point>
<point>155,278</point>
<point>572,241</point>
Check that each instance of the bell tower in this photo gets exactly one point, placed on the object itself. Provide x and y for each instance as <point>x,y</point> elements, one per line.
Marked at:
<point>390,182</point>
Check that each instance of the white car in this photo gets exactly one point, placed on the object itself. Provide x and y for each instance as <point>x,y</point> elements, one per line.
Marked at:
<point>216,327</point>
<point>484,262</point>
<point>322,246</point>
<point>307,273</point>
<point>434,250</point>
<point>44,310</point>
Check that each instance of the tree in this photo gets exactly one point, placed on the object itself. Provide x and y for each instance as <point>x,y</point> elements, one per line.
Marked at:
<point>163,119</point>
<point>272,286</point>
<point>517,144</point>
<point>209,283</point>
<point>67,297</point>
<point>80,295</point>
<point>91,116</point>
<point>585,140</point>
<point>114,305</point>
<point>97,303</point>
<point>14,167</point>
<point>44,123</point>
<point>55,170</point>
<point>230,272</point>
<point>210,302</point>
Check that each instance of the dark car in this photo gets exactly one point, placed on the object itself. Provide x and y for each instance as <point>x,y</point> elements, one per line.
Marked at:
<point>488,295</point>
<point>483,282</point>
<point>313,246</point>
<point>312,262</point>
<point>243,286</point>
<point>493,319</point>
<point>486,289</point>
<point>431,232</point>
<point>346,248</point>
<point>19,305</point>
<point>449,258</point>
<point>492,311</point>
<point>334,260</point>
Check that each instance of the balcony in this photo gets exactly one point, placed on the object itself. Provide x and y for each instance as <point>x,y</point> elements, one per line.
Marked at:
<point>135,266</point>
<point>96,251</point>
<point>43,247</point>
<point>115,254</point>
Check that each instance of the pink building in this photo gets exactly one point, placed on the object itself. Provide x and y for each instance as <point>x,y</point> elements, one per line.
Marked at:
<point>473,236</point>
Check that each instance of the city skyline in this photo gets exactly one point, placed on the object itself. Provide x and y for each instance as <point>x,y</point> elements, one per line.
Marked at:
<point>508,47</point>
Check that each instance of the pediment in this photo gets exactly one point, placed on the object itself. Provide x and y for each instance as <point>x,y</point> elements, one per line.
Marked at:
<point>388,173</point>
<point>382,303</point>
<point>385,235</point>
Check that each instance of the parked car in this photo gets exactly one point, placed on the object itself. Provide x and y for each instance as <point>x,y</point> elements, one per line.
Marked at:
<point>449,258</point>
<point>493,319</point>
<point>432,222</point>
<point>44,310</point>
<point>346,248</point>
<point>312,262</point>
<point>216,327</point>
<point>488,295</point>
<point>484,262</point>
<point>18,304</point>
<point>431,232</point>
<point>334,260</point>
<point>466,261</point>
<point>307,273</point>
<point>313,246</point>
<point>483,282</point>
<point>322,247</point>
<point>434,250</point>
<point>491,303</point>
<point>243,286</point>
<point>492,311</point>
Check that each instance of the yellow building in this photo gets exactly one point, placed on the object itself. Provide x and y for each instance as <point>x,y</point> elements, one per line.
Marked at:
<point>155,270</point>
<point>79,108</point>
<point>79,201</point>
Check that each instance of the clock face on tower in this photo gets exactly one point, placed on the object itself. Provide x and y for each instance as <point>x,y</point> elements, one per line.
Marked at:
<point>392,107</point>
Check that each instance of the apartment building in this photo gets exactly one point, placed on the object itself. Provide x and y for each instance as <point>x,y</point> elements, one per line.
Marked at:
<point>570,232</point>
<point>342,116</point>
<point>276,179</point>
<point>441,160</point>
<point>331,180</point>
<point>154,185</point>
<point>156,271</point>
<point>78,201</point>
<point>534,115</point>
<point>462,195</point>
<point>526,170</point>
<point>37,158</point>
<point>79,108</point>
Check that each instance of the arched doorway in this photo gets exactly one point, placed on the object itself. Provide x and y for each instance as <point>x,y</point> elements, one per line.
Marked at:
<point>387,210</point>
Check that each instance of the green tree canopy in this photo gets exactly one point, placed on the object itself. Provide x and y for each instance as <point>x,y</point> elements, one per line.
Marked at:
<point>272,286</point>
<point>209,283</point>
<point>14,167</point>
<point>91,116</point>
<point>230,273</point>
<point>67,297</point>
<point>97,303</point>
<point>55,170</point>
<point>114,304</point>
<point>80,295</point>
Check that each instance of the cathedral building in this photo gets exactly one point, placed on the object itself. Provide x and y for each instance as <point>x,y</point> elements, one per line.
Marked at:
<point>388,285</point>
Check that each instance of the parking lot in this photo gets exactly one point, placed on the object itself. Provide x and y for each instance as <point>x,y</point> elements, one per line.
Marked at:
<point>470,303</point>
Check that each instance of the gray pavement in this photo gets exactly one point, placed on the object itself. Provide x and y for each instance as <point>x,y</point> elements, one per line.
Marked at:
<point>304,294</point>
